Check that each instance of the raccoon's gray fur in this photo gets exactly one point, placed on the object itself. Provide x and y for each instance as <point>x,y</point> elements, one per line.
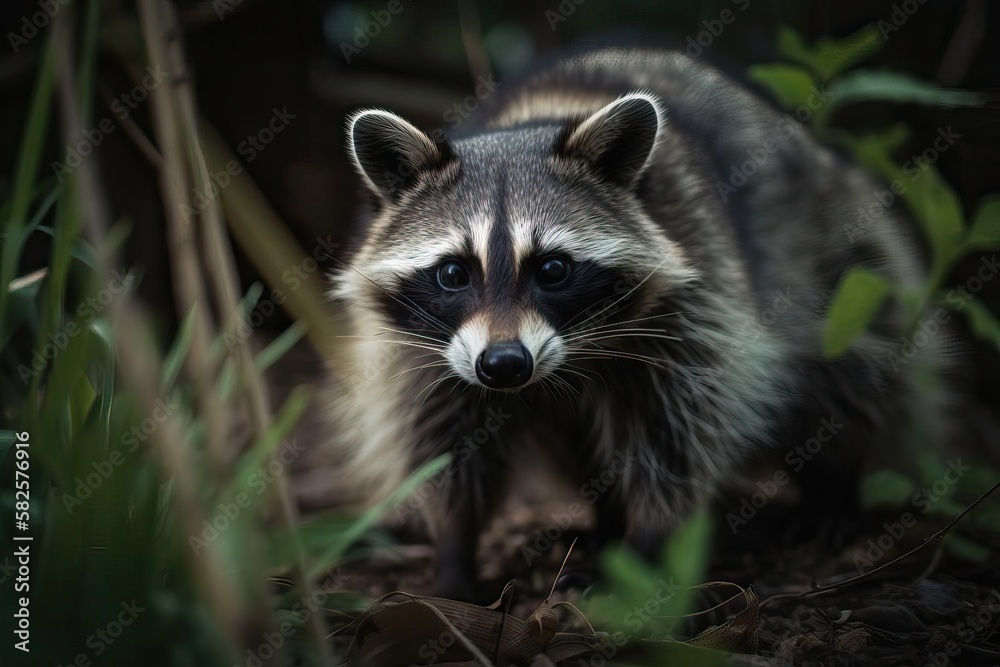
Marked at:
<point>618,165</point>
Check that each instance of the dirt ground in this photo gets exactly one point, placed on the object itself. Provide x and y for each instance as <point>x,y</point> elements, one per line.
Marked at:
<point>932,609</point>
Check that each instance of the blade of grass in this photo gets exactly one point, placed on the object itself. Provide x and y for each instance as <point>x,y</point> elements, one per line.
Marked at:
<point>26,170</point>
<point>267,241</point>
<point>279,346</point>
<point>178,351</point>
<point>342,539</point>
<point>267,442</point>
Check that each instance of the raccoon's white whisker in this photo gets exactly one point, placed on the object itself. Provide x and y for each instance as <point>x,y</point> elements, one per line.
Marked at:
<point>431,385</point>
<point>431,364</point>
<point>626,294</point>
<point>558,381</point>
<point>554,390</point>
<point>586,376</point>
<point>612,335</point>
<point>618,354</point>
<point>596,335</point>
<point>615,353</point>
<point>376,339</point>
<point>549,389</point>
<point>551,382</point>
<point>411,333</point>
<point>607,329</point>
<point>409,343</point>
<point>624,322</point>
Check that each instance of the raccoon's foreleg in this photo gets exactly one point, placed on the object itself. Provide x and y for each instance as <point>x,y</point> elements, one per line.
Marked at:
<point>455,530</point>
<point>457,513</point>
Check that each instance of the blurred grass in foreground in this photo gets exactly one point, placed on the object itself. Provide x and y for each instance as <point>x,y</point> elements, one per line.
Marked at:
<point>162,532</point>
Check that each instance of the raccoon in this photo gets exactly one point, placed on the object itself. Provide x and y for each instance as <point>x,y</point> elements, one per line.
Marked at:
<point>581,271</point>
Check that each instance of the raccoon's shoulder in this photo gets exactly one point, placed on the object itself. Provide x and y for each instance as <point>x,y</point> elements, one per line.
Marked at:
<point>696,94</point>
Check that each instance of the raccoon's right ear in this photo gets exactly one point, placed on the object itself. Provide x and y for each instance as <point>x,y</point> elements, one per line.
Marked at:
<point>617,140</point>
<point>390,153</point>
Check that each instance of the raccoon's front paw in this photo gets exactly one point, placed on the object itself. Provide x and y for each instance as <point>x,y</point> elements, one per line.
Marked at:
<point>577,578</point>
<point>455,583</point>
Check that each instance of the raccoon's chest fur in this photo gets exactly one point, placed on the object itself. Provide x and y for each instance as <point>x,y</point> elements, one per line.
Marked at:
<point>584,271</point>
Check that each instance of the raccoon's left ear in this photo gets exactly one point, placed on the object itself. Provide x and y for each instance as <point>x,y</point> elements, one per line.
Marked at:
<point>618,140</point>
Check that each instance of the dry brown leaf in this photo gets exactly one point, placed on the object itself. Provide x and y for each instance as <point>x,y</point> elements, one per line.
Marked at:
<point>446,632</point>
<point>403,629</point>
<point>738,634</point>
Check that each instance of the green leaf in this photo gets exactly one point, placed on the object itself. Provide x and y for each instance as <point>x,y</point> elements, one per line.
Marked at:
<point>628,574</point>
<point>984,233</point>
<point>79,248</point>
<point>686,554</point>
<point>858,298</point>
<point>889,86</point>
<point>22,306</point>
<point>945,506</point>
<point>7,439</point>
<point>936,207</point>
<point>887,487</point>
<point>833,56</point>
<point>790,84</point>
<point>875,151</point>
<point>982,321</point>
<point>830,57</point>
<point>633,593</point>
<point>102,331</point>
<point>969,550</point>
<point>791,46</point>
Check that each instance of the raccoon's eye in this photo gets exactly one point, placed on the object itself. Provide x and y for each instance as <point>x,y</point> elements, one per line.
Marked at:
<point>553,272</point>
<point>453,276</point>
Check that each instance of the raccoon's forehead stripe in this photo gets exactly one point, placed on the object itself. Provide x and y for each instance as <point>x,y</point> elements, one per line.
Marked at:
<point>596,243</point>
<point>393,263</point>
<point>480,229</point>
<point>523,239</point>
<point>482,235</point>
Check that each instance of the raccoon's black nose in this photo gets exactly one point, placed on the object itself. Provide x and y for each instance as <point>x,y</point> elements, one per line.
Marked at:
<point>504,365</point>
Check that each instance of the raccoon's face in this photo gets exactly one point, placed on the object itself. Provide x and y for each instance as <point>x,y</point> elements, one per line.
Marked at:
<point>504,251</point>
